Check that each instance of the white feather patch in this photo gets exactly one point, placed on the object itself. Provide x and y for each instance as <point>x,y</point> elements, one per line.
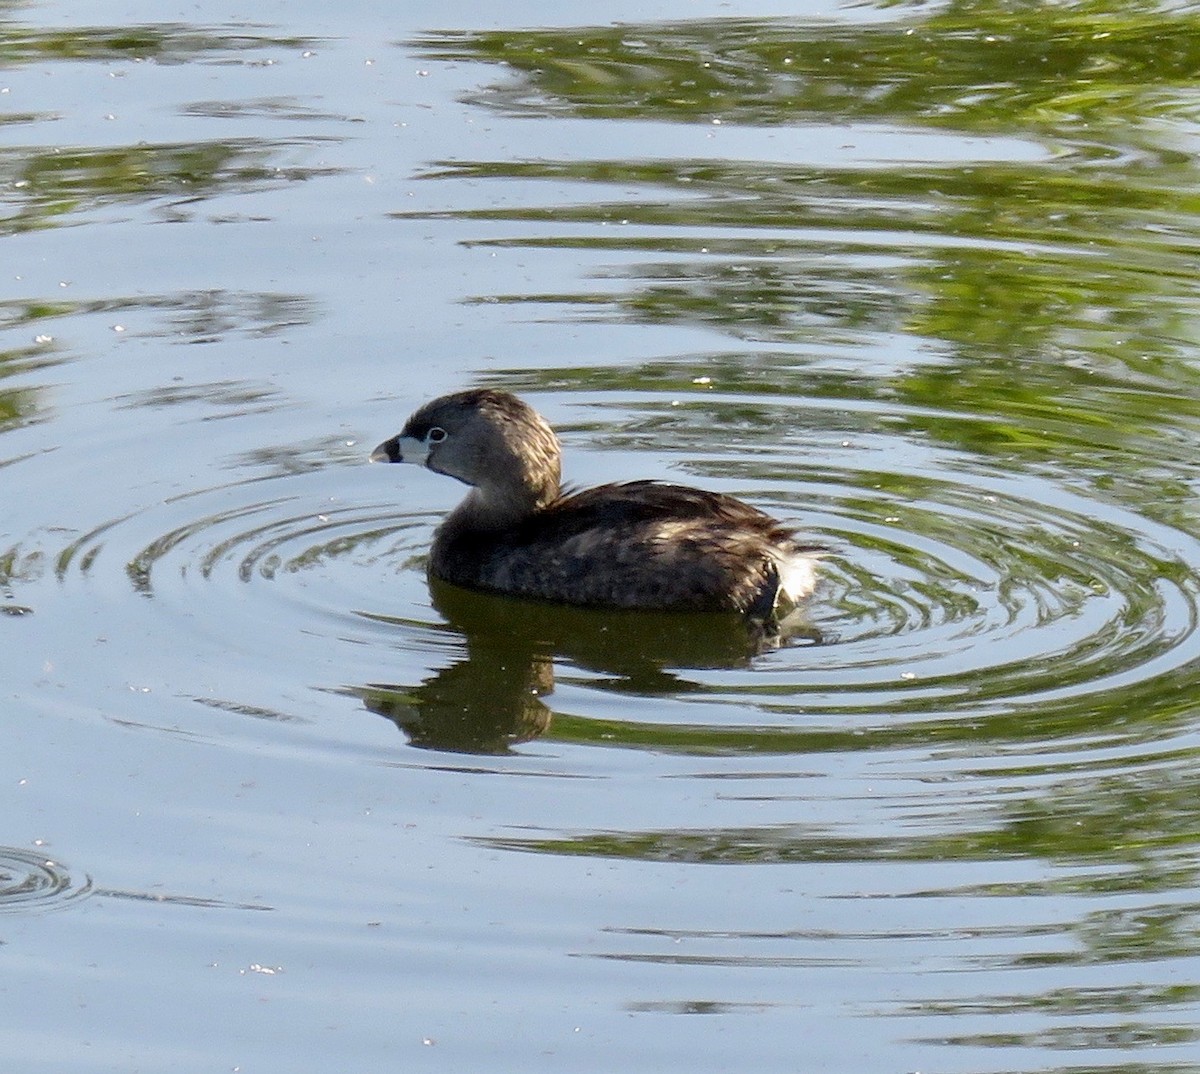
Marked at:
<point>413,450</point>
<point>797,578</point>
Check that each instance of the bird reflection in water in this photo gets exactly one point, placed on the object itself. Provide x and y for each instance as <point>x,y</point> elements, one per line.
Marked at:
<point>493,698</point>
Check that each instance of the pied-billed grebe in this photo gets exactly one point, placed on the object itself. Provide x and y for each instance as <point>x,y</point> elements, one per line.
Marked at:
<point>634,544</point>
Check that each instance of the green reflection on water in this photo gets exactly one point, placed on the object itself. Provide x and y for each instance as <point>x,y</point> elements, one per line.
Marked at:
<point>1055,292</point>
<point>51,182</point>
<point>982,65</point>
<point>1129,818</point>
<point>54,183</point>
<point>19,405</point>
<point>162,42</point>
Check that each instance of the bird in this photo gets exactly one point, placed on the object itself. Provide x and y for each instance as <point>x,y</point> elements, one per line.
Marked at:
<point>640,544</point>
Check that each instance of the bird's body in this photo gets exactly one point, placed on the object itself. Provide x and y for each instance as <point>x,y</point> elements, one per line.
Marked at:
<point>636,544</point>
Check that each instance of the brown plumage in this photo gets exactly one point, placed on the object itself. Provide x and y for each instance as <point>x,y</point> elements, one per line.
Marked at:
<point>635,544</point>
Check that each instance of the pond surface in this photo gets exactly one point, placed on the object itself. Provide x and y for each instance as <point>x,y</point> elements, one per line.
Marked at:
<point>920,278</point>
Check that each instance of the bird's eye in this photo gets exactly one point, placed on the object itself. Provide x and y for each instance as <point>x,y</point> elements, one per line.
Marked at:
<point>435,435</point>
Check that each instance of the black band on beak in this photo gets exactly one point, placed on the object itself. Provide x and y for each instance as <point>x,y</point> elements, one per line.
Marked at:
<point>388,451</point>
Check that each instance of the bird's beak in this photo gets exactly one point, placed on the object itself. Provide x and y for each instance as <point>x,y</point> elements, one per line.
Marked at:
<point>402,449</point>
<point>388,451</point>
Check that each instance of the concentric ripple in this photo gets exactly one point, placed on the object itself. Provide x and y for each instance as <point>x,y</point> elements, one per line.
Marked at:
<point>956,585</point>
<point>228,535</point>
<point>951,589</point>
<point>989,598</point>
<point>33,882</point>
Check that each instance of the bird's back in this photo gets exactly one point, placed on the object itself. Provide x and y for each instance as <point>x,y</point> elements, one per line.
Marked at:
<point>640,544</point>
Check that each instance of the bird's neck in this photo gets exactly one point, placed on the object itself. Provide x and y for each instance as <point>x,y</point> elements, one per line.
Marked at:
<point>499,507</point>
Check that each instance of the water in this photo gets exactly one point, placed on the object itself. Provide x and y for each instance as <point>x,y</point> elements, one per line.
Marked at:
<point>919,279</point>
